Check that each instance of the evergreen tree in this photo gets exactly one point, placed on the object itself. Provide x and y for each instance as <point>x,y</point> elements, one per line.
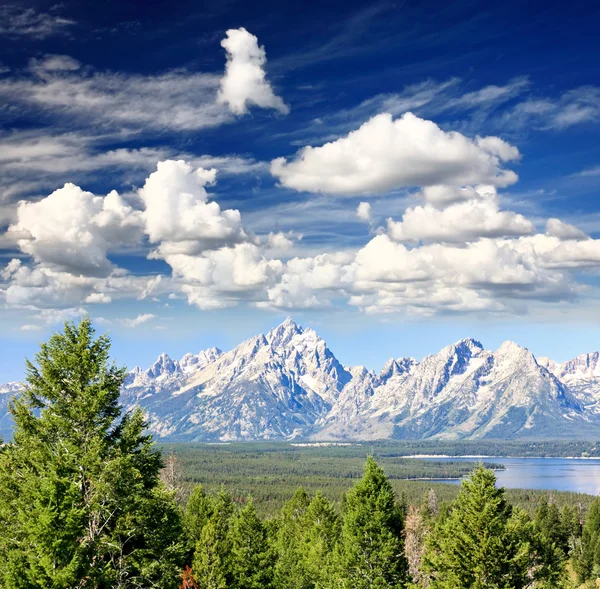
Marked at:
<point>371,551</point>
<point>81,501</point>
<point>587,562</point>
<point>550,525</point>
<point>198,510</point>
<point>252,558</point>
<point>290,572</point>
<point>211,564</point>
<point>321,532</point>
<point>484,543</point>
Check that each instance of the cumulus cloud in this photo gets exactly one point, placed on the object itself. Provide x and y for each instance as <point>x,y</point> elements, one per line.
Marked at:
<point>363,212</point>
<point>562,230</point>
<point>460,222</point>
<point>244,83</point>
<point>457,252</point>
<point>98,298</point>
<point>178,215</point>
<point>386,154</point>
<point>73,230</point>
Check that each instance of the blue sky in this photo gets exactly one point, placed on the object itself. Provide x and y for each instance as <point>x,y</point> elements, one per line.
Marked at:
<point>396,175</point>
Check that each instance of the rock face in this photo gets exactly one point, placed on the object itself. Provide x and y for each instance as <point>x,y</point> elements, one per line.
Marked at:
<point>288,384</point>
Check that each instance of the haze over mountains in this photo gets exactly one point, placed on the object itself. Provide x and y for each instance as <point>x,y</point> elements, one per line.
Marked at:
<point>288,384</point>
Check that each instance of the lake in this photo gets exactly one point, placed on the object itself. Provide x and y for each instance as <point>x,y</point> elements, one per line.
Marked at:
<point>558,474</point>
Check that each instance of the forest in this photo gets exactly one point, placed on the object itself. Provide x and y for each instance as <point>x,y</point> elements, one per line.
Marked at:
<point>89,501</point>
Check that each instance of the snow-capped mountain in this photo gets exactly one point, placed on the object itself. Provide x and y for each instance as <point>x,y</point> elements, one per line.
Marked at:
<point>581,375</point>
<point>288,384</point>
<point>276,385</point>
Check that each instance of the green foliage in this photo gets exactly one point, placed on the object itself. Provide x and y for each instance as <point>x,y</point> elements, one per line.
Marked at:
<point>587,558</point>
<point>252,558</point>
<point>371,549</point>
<point>212,558</point>
<point>485,543</point>
<point>270,472</point>
<point>82,505</point>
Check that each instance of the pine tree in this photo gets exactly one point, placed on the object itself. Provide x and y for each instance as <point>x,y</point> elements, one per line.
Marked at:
<point>290,572</point>
<point>371,551</point>
<point>81,501</point>
<point>198,511</point>
<point>320,535</point>
<point>485,544</point>
<point>587,562</point>
<point>550,525</point>
<point>252,558</point>
<point>211,564</point>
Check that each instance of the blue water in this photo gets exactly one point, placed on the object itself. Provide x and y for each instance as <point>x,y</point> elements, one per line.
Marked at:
<point>558,474</point>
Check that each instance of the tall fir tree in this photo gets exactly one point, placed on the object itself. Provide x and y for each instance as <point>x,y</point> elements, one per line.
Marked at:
<point>550,525</point>
<point>198,510</point>
<point>290,572</point>
<point>252,557</point>
<point>485,544</point>
<point>211,563</point>
<point>587,560</point>
<point>320,534</point>
<point>371,549</point>
<point>82,504</point>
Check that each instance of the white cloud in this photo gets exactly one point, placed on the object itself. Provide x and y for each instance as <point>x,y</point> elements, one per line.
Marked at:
<point>53,63</point>
<point>17,21</point>
<point>244,83</point>
<point>363,212</point>
<point>574,107</point>
<point>73,230</point>
<point>588,172</point>
<point>176,100</point>
<point>281,241</point>
<point>386,154</point>
<point>458,252</point>
<point>30,327</point>
<point>139,320</point>
<point>562,230</point>
<point>98,298</point>
<point>179,217</point>
<point>52,316</point>
<point>460,222</point>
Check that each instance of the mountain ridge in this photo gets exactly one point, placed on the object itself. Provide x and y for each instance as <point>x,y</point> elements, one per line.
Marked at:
<point>288,384</point>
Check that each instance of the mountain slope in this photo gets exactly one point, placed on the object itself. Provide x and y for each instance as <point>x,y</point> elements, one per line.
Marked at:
<point>288,384</point>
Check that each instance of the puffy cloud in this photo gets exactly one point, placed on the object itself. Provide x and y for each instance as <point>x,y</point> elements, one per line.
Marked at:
<point>386,154</point>
<point>178,215</point>
<point>458,252</point>
<point>139,320</point>
<point>73,230</point>
<point>442,195</point>
<point>98,298</point>
<point>460,222</point>
<point>562,230</point>
<point>244,82</point>
<point>363,212</point>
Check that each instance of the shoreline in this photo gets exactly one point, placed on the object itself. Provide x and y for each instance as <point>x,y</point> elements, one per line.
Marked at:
<point>481,456</point>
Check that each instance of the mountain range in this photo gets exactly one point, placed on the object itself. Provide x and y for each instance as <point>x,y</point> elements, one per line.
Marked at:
<point>287,384</point>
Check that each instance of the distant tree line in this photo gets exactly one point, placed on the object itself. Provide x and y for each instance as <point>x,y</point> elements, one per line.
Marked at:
<point>88,502</point>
